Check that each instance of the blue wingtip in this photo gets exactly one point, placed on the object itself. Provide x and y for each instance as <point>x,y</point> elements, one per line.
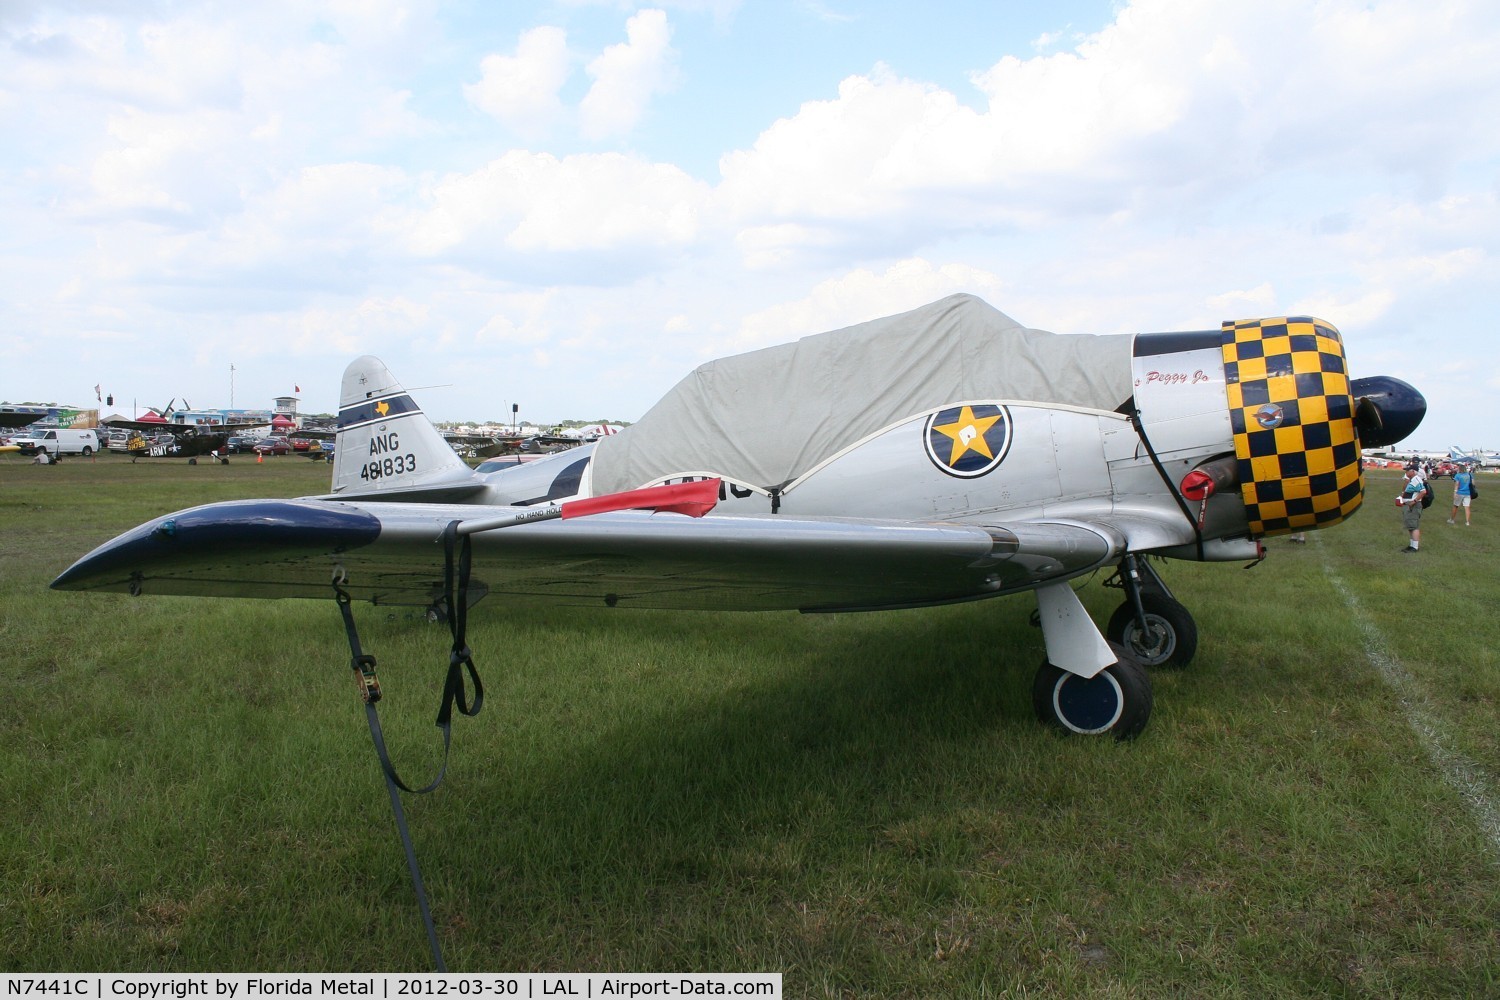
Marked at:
<point>221,533</point>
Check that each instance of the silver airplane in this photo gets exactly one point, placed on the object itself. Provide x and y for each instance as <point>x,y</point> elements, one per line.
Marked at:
<point>943,455</point>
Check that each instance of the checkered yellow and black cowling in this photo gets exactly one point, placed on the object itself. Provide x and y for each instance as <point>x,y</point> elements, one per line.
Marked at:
<point>1293,418</point>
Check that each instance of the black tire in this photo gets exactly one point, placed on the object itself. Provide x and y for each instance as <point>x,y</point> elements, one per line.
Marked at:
<point>87,451</point>
<point>1115,701</point>
<point>192,461</point>
<point>1173,635</point>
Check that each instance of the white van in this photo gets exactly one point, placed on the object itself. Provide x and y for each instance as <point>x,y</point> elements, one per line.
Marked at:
<point>57,443</point>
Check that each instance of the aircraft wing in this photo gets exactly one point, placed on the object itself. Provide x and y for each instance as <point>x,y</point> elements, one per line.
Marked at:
<point>392,553</point>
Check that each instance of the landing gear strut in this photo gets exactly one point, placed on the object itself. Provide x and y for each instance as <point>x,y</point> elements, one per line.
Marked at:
<point>1156,629</point>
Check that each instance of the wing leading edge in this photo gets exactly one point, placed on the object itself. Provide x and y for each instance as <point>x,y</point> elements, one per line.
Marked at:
<point>392,553</point>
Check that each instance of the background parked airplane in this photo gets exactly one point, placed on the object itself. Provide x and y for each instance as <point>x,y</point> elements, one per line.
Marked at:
<point>161,435</point>
<point>1475,456</point>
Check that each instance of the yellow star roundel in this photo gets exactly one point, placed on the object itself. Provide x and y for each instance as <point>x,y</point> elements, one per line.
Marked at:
<point>968,440</point>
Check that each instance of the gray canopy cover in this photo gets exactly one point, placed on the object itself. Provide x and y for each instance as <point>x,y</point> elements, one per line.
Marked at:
<point>765,418</point>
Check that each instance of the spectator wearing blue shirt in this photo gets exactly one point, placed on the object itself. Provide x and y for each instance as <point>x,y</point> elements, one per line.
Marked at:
<point>1463,494</point>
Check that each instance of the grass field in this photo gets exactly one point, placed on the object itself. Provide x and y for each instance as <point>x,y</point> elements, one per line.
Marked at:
<point>864,803</point>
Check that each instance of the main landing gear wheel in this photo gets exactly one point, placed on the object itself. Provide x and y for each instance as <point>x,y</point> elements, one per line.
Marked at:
<point>1170,638</point>
<point>1117,700</point>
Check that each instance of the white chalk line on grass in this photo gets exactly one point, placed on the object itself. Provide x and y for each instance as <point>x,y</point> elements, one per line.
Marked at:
<point>1463,775</point>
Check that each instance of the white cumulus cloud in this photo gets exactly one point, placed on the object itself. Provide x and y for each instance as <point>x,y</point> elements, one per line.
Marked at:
<point>1174,104</point>
<point>526,201</point>
<point>521,90</point>
<point>627,76</point>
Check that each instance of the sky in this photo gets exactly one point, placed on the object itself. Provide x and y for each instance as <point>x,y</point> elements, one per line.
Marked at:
<point>567,206</point>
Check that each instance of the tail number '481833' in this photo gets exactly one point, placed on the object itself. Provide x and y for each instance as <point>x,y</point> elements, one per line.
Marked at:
<point>391,465</point>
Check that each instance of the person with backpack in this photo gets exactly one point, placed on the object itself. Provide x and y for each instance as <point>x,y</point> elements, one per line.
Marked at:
<point>1463,494</point>
<point>1410,502</point>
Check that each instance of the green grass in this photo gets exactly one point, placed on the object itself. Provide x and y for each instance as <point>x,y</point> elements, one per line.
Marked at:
<point>864,803</point>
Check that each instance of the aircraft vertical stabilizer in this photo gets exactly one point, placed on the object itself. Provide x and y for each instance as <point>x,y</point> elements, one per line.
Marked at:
<point>386,445</point>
